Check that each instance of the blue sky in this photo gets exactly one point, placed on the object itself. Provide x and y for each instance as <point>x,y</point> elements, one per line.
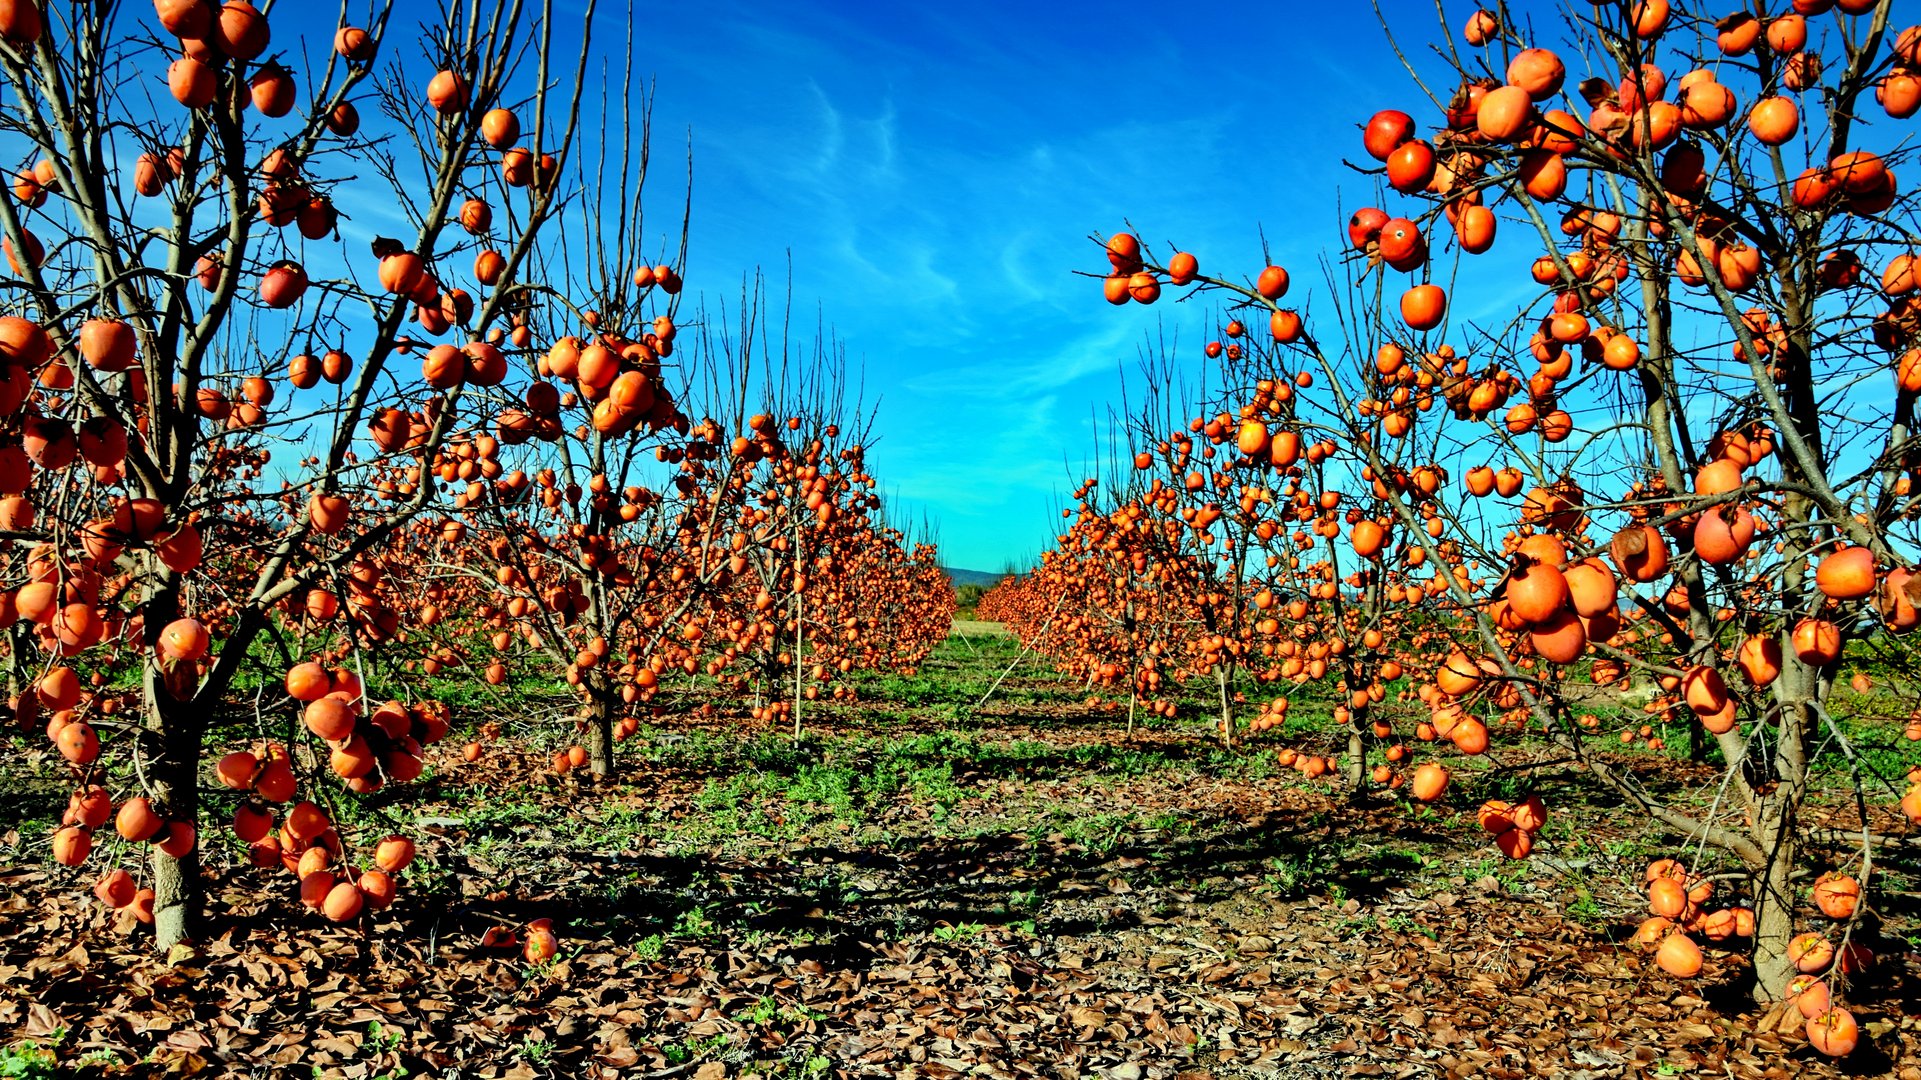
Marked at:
<point>934,171</point>
<point>931,175</point>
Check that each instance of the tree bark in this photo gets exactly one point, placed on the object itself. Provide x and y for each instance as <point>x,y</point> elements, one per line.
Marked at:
<point>1356,771</point>
<point>603,702</point>
<point>1222,675</point>
<point>177,892</point>
<point>1774,905</point>
<point>172,778</point>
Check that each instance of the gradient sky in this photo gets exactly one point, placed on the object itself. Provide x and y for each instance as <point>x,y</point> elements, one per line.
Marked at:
<point>934,171</point>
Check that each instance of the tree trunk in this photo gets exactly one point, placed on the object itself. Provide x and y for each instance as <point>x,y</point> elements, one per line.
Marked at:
<point>602,703</point>
<point>172,779</point>
<point>22,646</point>
<point>1222,677</point>
<point>1777,826</point>
<point>1356,771</point>
<point>1774,904</point>
<point>800,656</point>
<point>176,720</point>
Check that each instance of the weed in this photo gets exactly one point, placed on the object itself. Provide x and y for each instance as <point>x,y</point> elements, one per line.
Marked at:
<point>1586,910</point>
<point>1401,924</point>
<point>1632,850</point>
<point>1292,876</point>
<point>543,970</point>
<point>426,876</point>
<point>1359,925</point>
<point>693,923</point>
<point>769,1010</point>
<point>799,1066</point>
<point>1098,833</point>
<point>1511,874</point>
<point>688,1050</point>
<point>1511,786</point>
<point>1170,821</point>
<point>381,1039</point>
<point>28,1061</point>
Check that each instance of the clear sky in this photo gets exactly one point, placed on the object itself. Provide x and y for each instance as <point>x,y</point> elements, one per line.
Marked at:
<point>934,171</point>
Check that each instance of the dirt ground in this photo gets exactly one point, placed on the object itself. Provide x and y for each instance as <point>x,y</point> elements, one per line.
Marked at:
<point>923,889</point>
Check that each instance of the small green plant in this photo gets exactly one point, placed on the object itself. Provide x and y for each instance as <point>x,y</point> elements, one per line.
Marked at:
<point>534,1051</point>
<point>687,1050</point>
<point>1632,850</point>
<point>650,948</point>
<point>1099,833</point>
<point>1401,924</point>
<point>544,970</point>
<point>1508,872</point>
<point>1586,910</point>
<point>426,877</point>
<point>28,1061</point>
<point>381,1039</point>
<point>769,1010</point>
<point>1170,821</point>
<point>959,931</point>
<point>1295,875</point>
<point>1513,787</point>
<point>1360,925</point>
<point>693,923</point>
<point>799,1065</point>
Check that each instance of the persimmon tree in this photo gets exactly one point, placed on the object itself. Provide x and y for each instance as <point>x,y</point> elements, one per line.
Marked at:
<point>840,589</point>
<point>1211,553</point>
<point>723,536</point>
<point>555,521</point>
<point>1209,519</point>
<point>797,473</point>
<point>1704,482</point>
<point>1093,603</point>
<point>193,356</point>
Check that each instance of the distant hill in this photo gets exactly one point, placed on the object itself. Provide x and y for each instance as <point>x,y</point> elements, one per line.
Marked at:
<point>972,577</point>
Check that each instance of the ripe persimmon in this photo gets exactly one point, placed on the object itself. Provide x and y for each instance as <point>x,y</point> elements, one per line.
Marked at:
<point>1679,956</point>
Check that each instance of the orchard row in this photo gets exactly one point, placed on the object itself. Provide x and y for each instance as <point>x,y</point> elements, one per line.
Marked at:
<point>1674,492</point>
<point>266,492</point>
